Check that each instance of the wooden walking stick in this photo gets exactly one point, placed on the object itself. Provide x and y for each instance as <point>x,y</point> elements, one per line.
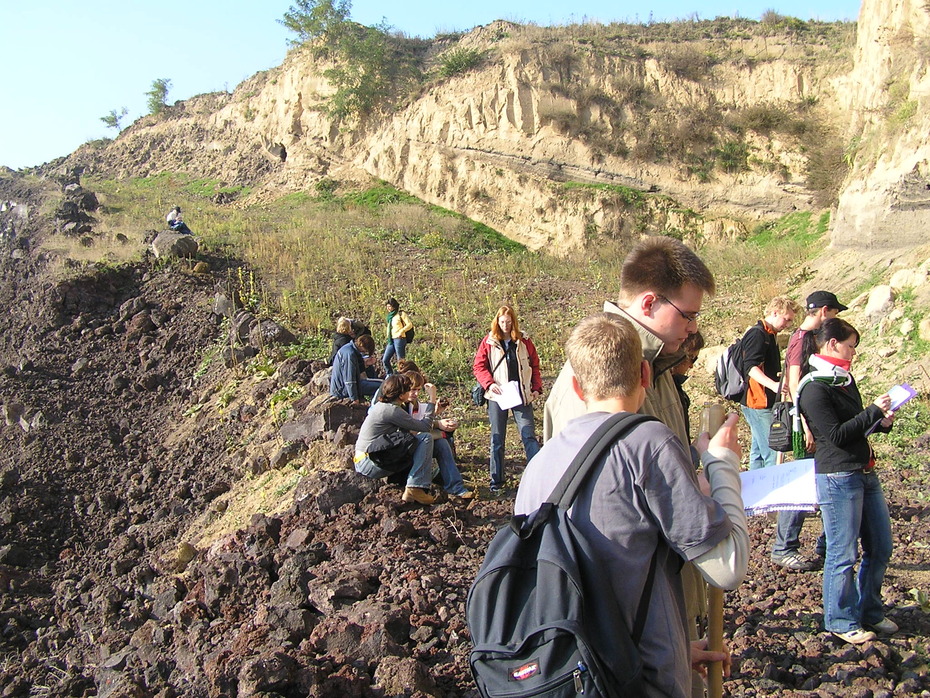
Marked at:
<point>715,640</point>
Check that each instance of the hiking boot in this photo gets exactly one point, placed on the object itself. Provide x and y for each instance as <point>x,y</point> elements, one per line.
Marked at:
<point>795,562</point>
<point>418,495</point>
<point>885,626</point>
<point>464,494</point>
<point>856,636</point>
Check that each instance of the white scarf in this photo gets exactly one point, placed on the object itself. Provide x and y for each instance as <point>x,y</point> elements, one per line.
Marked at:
<point>824,372</point>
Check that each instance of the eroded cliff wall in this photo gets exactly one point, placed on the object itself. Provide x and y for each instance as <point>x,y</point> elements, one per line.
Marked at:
<point>885,204</point>
<point>500,143</point>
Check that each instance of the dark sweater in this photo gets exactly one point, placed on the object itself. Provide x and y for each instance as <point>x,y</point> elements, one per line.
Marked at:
<point>838,422</point>
<point>760,348</point>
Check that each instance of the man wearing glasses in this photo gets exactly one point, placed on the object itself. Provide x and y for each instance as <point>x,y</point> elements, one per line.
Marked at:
<point>662,288</point>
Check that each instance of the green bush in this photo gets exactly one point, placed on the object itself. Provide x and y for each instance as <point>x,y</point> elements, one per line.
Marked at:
<point>459,60</point>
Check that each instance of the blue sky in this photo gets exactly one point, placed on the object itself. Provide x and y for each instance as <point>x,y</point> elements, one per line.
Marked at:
<point>67,63</point>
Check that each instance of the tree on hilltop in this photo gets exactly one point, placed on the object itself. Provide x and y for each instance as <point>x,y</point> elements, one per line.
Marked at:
<point>112,120</point>
<point>157,95</point>
<point>372,66</point>
<point>322,21</point>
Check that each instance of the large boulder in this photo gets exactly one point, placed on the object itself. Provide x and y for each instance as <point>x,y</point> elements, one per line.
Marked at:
<point>171,244</point>
<point>268,333</point>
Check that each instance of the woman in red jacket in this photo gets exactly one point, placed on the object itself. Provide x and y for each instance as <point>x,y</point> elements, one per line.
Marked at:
<point>505,356</point>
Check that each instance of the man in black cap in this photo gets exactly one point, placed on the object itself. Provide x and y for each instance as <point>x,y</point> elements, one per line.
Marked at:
<point>820,306</point>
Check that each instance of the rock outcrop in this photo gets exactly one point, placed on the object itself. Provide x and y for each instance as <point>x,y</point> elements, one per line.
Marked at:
<point>886,201</point>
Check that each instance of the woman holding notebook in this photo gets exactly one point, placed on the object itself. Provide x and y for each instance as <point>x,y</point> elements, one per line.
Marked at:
<point>848,490</point>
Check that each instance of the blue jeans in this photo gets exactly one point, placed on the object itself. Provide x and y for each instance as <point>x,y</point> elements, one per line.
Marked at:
<point>853,508</point>
<point>368,387</point>
<point>523,418</point>
<point>451,477</point>
<point>395,346</point>
<point>420,473</point>
<point>788,535</point>
<point>760,421</point>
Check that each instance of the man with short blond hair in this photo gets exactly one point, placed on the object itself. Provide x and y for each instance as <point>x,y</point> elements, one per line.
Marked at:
<point>662,288</point>
<point>761,366</point>
<point>641,503</point>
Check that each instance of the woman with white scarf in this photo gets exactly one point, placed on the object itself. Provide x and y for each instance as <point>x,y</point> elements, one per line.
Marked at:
<point>848,490</point>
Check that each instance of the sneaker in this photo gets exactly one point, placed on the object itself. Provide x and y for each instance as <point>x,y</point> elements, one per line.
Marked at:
<point>465,494</point>
<point>856,636</point>
<point>418,495</point>
<point>885,626</point>
<point>795,562</point>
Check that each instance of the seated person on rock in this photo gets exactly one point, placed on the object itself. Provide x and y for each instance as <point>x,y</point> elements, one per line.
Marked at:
<point>173,219</point>
<point>390,416</point>
<point>342,336</point>
<point>348,379</point>
<point>442,432</point>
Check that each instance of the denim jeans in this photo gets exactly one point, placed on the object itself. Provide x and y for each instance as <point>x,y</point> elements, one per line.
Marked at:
<point>523,418</point>
<point>788,535</point>
<point>420,473</point>
<point>395,346</point>
<point>760,421</point>
<point>853,508</point>
<point>368,387</point>
<point>451,477</point>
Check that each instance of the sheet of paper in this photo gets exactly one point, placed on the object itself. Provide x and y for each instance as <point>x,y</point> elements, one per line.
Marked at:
<point>509,396</point>
<point>900,394</point>
<point>789,486</point>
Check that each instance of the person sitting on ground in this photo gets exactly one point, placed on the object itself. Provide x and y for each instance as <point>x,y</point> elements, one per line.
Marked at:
<point>389,415</point>
<point>173,219</point>
<point>348,379</point>
<point>342,336</point>
<point>642,500</point>
<point>443,451</point>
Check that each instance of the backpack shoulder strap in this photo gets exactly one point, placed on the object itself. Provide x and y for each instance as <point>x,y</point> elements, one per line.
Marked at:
<point>597,444</point>
<point>613,428</point>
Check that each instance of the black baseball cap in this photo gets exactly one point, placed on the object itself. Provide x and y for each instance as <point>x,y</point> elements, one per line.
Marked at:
<point>824,299</point>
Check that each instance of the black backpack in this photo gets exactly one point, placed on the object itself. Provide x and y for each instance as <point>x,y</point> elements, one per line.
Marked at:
<point>543,619</point>
<point>409,334</point>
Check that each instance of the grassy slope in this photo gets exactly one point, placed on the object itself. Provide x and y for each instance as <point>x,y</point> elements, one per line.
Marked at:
<point>315,257</point>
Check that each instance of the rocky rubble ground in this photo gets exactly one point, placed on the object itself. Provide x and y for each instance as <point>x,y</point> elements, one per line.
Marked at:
<point>348,592</point>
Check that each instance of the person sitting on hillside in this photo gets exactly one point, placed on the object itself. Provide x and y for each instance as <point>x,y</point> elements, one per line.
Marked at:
<point>387,417</point>
<point>348,379</point>
<point>342,336</point>
<point>174,221</point>
<point>443,450</point>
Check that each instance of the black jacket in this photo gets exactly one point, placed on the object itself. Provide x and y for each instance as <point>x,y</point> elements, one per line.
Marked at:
<point>839,423</point>
<point>760,348</point>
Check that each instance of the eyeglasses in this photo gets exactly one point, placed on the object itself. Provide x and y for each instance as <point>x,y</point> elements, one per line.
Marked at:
<point>690,317</point>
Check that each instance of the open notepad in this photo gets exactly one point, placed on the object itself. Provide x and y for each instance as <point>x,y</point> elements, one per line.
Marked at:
<point>789,486</point>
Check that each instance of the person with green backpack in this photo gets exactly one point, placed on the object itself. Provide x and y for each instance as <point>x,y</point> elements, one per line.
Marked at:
<point>399,333</point>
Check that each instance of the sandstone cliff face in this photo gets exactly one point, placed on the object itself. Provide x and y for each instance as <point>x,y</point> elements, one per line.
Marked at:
<point>498,143</point>
<point>885,204</point>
